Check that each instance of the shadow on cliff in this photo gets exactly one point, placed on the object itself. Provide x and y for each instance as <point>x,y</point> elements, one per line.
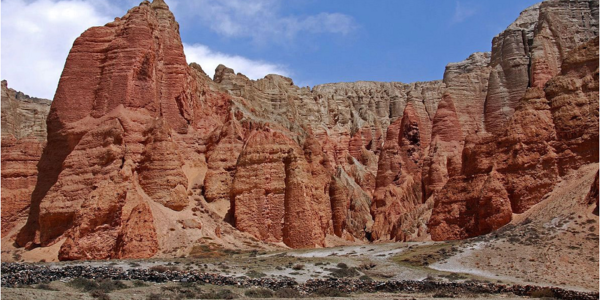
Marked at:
<point>50,166</point>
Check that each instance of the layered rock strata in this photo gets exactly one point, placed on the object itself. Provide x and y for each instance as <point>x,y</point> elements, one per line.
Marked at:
<point>23,138</point>
<point>553,131</point>
<point>147,153</point>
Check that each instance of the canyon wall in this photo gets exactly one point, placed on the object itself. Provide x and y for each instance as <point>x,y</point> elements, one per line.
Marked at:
<point>148,156</point>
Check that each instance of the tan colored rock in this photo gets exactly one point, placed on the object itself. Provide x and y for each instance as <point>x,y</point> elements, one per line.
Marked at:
<point>510,63</point>
<point>467,84</point>
<point>23,116</point>
<point>573,97</point>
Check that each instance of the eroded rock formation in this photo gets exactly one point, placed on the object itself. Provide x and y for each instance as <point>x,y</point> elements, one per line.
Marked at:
<point>553,131</point>
<point>146,153</point>
<point>23,138</point>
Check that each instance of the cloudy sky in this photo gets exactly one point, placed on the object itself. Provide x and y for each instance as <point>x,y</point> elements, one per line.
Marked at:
<point>311,41</point>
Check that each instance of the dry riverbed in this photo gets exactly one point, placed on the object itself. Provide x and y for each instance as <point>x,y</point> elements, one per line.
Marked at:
<point>394,262</point>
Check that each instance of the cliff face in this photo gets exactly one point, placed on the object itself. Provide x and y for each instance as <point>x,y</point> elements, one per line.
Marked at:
<point>531,50</point>
<point>23,138</point>
<point>139,144</point>
<point>552,132</point>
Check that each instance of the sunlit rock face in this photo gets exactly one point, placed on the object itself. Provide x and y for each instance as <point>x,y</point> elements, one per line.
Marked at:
<point>140,144</point>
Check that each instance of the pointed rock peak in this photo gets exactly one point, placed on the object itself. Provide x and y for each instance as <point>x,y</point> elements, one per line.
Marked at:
<point>447,103</point>
<point>160,4</point>
<point>221,71</point>
<point>445,123</point>
<point>410,115</point>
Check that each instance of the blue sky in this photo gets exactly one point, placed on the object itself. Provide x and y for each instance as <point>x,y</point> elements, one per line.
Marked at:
<point>311,41</point>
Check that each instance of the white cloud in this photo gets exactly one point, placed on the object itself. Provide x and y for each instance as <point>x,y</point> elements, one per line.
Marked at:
<point>209,60</point>
<point>262,20</point>
<point>37,36</point>
<point>462,13</point>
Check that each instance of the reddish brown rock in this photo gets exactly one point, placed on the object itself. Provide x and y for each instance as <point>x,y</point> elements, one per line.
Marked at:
<point>573,97</point>
<point>19,176</point>
<point>23,139</point>
<point>398,189</point>
<point>470,206</point>
<point>224,149</point>
<point>531,50</point>
<point>125,93</point>
<point>524,155</point>
<point>274,196</point>
<point>552,132</point>
<point>258,191</point>
<point>562,26</point>
<point>444,158</point>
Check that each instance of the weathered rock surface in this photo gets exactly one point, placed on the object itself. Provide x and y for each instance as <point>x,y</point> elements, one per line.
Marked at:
<point>553,131</point>
<point>23,138</point>
<point>125,92</point>
<point>531,50</point>
<point>573,97</point>
<point>23,116</point>
<point>510,63</point>
<point>141,146</point>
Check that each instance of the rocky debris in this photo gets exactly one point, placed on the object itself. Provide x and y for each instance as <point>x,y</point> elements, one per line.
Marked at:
<point>14,275</point>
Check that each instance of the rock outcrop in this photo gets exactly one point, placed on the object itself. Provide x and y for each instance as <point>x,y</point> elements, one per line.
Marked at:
<point>23,138</point>
<point>553,131</point>
<point>126,91</point>
<point>531,50</point>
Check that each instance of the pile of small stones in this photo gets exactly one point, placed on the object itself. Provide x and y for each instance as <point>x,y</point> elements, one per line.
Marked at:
<point>19,274</point>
